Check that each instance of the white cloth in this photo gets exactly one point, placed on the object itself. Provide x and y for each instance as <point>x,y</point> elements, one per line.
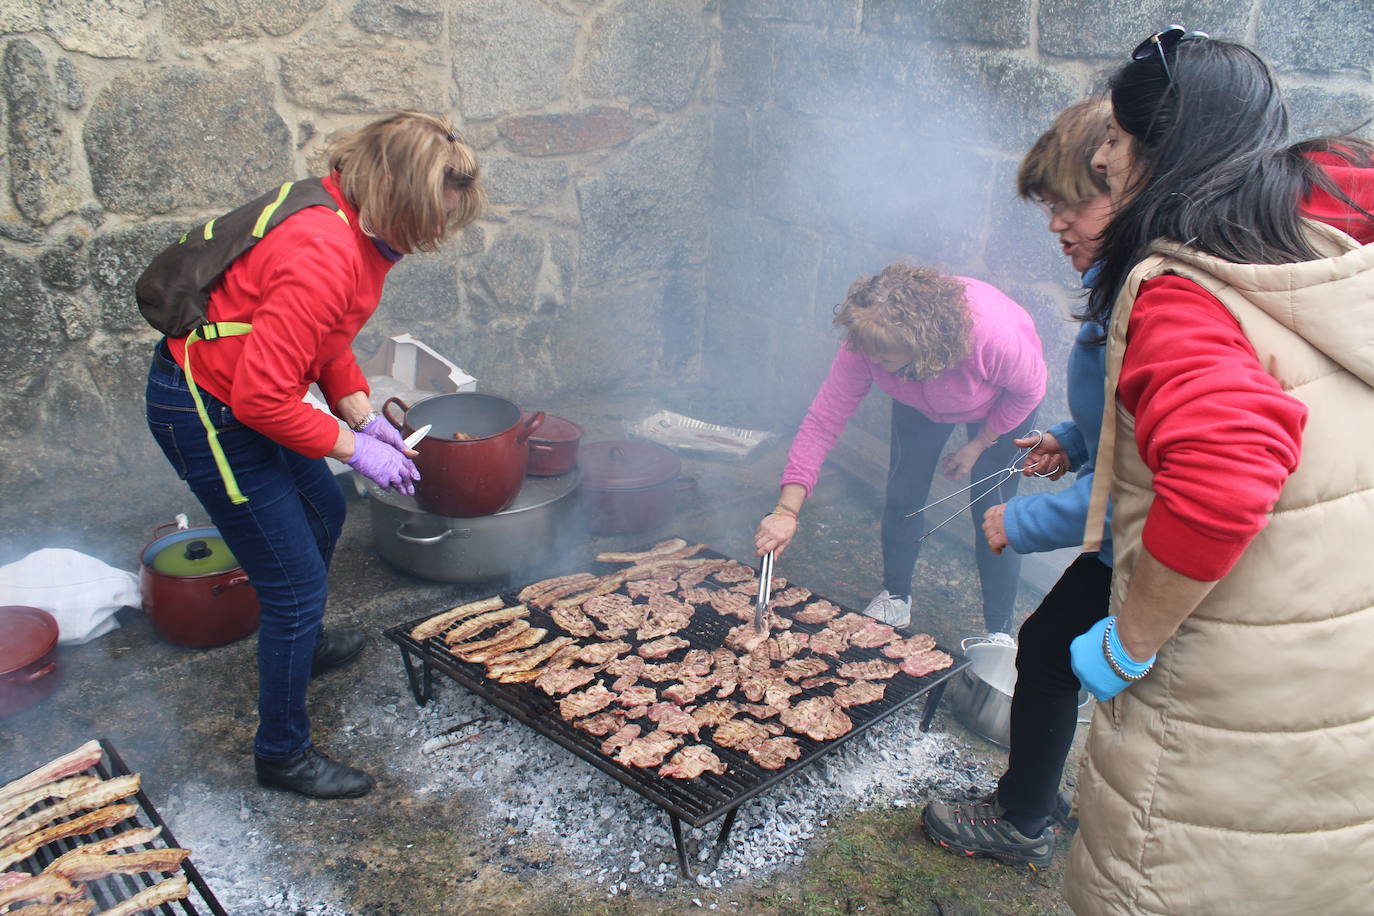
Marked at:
<point>81,592</point>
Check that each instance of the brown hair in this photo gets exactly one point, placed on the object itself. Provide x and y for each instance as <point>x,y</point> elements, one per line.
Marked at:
<point>909,308</point>
<point>1060,161</point>
<point>395,172</point>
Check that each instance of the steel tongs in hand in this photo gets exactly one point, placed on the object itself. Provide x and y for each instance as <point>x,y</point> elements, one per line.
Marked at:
<point>765,590</point>
<point>998,477</point>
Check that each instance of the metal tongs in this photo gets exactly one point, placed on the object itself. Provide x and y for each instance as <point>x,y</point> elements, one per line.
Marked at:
<point>765,590</point>
<point>998,477</point>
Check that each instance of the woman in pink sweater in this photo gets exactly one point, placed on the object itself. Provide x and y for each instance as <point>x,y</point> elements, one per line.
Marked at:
<point>948,350</point>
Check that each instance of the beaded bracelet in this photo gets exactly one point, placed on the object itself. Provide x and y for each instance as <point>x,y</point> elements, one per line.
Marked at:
<point>1111,659</point>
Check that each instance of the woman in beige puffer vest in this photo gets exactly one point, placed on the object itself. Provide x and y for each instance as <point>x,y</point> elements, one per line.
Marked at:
<point>1234,775</point>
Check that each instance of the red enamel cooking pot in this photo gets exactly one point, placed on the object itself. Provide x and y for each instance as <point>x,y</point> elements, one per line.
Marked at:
<point>553,450</point>
<point>473,460</point>
<point>194,591</point>
<point>28,657</point>
<point>628,485</point>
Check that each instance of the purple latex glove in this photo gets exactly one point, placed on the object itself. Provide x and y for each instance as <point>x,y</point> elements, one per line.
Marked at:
<point>381,429</point>
<point>383,465</point>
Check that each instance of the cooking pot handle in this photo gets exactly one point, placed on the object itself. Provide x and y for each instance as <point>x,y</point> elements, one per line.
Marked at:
<point>237,580</point>
<point>47,669</point>
<point>181,523</point>
<point>456,532</point>
<point>404,410</point>
<point>535,421</point>
<point>541,447</point>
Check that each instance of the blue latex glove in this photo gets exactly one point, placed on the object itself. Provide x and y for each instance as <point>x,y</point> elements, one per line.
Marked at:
<point>1090,665</point>
<point>383,465</point>
<point>381,429</point>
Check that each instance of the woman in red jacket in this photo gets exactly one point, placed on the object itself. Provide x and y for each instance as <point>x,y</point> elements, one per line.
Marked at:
<point>400,185</point>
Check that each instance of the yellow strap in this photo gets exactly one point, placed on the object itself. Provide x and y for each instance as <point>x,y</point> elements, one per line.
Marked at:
<point>212,332</point>
<point>260,227</point>
<point>209,231</point>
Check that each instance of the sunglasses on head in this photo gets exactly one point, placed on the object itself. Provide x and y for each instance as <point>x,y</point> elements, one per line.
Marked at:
<point>1165,42</point>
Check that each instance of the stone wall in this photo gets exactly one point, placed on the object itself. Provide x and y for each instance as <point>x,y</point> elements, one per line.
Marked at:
<point>681,189</point>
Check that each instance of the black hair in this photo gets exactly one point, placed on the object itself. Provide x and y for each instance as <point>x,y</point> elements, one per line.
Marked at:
<point>1213,167</point>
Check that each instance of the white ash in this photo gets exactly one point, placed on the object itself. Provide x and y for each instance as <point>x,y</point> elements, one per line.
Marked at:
<point>535,789</point>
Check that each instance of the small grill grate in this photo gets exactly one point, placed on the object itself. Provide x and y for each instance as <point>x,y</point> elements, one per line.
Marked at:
<point>695,801</point>
<point>111,890</point>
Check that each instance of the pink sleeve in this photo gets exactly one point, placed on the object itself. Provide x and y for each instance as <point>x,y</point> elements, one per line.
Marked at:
<point>1217,431</point>
<point>849,381</point>
<point>1014,362</point>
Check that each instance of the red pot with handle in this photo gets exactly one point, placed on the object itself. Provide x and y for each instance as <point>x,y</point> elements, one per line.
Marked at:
<point>28,657</point>
<point>194,591</point>
<point>628,485</point>
<point>473,460</point>
<point>553,450</point>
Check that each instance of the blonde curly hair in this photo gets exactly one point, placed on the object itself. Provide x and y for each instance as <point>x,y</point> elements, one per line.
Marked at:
<point>906,308</point>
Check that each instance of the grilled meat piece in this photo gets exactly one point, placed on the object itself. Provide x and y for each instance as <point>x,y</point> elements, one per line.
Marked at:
<point>90,866</point>
<point>635,696</point>
<point>662,548</point>
<point>93,796</point>
<point>523,640</point>
<point>695,575</point>
<point>872,635</point>
<point>811,683</point>
<point>618,613</point>
<point>89,822</point>
<point>668,671</point>
<point>441,622</point>
<point>555,682</point>
<point>859,693</point>
<point>691,762</point>
<point>796,669</point>
<point>716,712</point>
<point>660,648</point>
<point>649,750</point>
<point>819,718</point>
<point>751,586</point>
<point>741,734</point>
<point>779,694</point>
<point>759,711</point>
<point>585,702</point>
<point>733,572</point>
<point>696,663</point>
<point>688,689</point>
<point>69,764</point>
<point>62,788</point>
<point>621,738</point>
<point>573,587</point>
<point>789,597</point>
<point>923,663</point>
<point>648,588</point>
<point>818,611</point>
<point>745,638</point>
<point>872,670</point>
<point>696,595</point>
<point>165,891</point>
<point>666,615</point>
<point>672,719</point>
<point>774,753</point>
<point>503,666</point>
<point>39,888</point>
<point>501,635</point>
<point>849,623</point>
<point>627,666</point>
<point>733,604</point>
<point>573,620</point>
<point>603,653</point>
<point>535,589</point>
<point>904,648</point>
<point>829,642</point>
<point>475,625</point>
<point>603,723</point>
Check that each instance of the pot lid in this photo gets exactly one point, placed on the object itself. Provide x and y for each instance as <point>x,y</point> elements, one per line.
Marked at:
<point>190,552</point>
<point>30,634</point>
<point>554,429</point>
<point>626,464</point>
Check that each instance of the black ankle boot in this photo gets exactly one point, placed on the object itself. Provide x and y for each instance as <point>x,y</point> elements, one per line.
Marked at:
<point>312,773</point>
<point>335,649</point>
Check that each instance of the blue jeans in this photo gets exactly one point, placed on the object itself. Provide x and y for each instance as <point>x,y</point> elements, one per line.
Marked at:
<point>916,448</point>
<point>283,537</point>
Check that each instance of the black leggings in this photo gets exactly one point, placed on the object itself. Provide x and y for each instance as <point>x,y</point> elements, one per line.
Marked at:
<point>916,446</point>
<point>1044,707</point>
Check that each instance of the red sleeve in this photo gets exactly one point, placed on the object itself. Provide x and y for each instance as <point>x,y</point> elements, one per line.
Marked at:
<point>307,291</point>
<point>1216,430</point>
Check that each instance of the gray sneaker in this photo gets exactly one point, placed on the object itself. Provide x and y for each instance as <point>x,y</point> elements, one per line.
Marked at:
<point>891,610</point>
<point>978,828</point>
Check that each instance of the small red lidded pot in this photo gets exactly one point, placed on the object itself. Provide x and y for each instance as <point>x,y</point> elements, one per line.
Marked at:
<point>28,657</point>
<point>553,447</point>
<point>194,591</point>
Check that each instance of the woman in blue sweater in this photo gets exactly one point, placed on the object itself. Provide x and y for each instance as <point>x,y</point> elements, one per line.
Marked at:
<point>1013,823</point>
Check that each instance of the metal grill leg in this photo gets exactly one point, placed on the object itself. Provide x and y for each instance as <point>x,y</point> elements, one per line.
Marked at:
<point>422,685</point>
<point>681,842</point>
<point>723,835</point>
<point>932,704</point>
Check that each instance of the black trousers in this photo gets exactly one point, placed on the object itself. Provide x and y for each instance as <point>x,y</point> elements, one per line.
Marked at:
<point>915,448</point>
<point>1044,707</point>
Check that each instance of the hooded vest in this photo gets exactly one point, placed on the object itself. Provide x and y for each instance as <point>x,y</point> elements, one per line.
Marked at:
<point>1238,777</point>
